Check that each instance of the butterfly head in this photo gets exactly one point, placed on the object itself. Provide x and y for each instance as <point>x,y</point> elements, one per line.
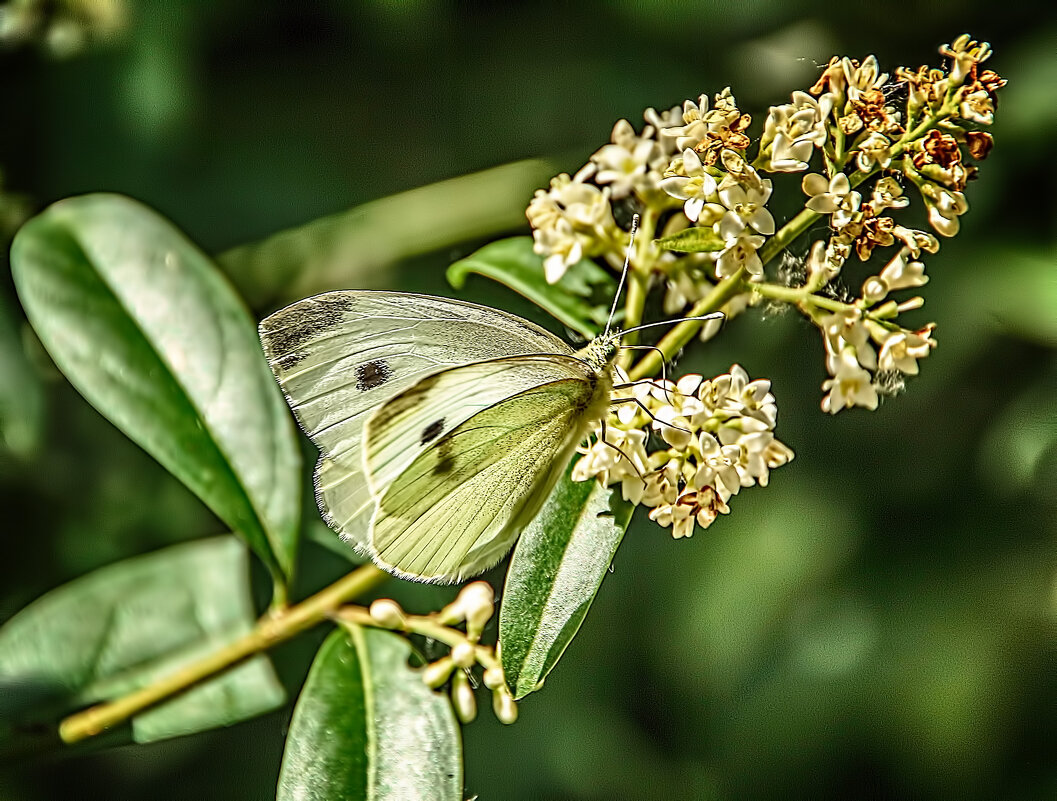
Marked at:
<point>601,351</point>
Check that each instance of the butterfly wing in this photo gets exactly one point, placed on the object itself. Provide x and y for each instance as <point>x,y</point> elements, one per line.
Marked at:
<point>458,505</point>
<point>339,355</point>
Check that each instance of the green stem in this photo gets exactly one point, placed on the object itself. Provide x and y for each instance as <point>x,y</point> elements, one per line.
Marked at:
<point>799,296</point>
<point>639,280</point>
<point>270,630</point>
<point>676,339</point>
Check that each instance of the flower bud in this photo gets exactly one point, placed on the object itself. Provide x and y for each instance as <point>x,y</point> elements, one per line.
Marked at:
<point>464,654</point>
<point>478,601</point>
<point>494,677</point>
<point>874,289</point>
<point>387,613</point>
<point>462,698</point>
<point>504,705</point>
<point>437,673</point>
<point>452,614</point>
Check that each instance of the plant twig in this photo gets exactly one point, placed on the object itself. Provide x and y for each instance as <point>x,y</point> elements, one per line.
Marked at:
<point>270,630</point>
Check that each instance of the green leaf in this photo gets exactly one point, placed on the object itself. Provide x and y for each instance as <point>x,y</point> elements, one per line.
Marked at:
<point>555,572</point>
<point>367,727</point>
<point>148,330</point>
<point>124,626</point>
<point>693,240</point>
<point>514,263</point>
<point>21,395</point>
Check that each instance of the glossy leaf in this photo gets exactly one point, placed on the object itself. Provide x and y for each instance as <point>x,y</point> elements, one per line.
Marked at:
<point>367,727</point>
<point>693,240</point>
<point>123,626</point>
<point>155,338</point>
<point>513,262</point>
<point>555,572</point>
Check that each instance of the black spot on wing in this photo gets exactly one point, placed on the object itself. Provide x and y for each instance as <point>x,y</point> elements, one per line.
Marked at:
<point>432,431</point>
<point>372,374</point>
<point>285,333</point>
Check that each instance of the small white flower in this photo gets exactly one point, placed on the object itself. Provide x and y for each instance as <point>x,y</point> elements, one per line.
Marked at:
<point>845,332</point>
<point>851,385</point>
<point>822,260</point>
<point>749,203</point>
<point>978,107</point>
<point>695,187</point>
<point>965,52</point>
<point>902,350</point>
<point>864,77</point>
<point>694,127</point>
<point>900,273</point>
<point>874,151</point>
<point>623,164</point>
<point>720,461</point>
<point>741,247</point>
<point>916,241</point>
<point>561,246</point>
<point>792,131</point>
<point>661,121</point>
<point>832,197</point>
<point>888,194</point>
<point>945,207</point>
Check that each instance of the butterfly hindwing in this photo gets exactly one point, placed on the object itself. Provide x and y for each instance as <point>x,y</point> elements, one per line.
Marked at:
<point>407,425</point>
<point>457,508</point>
<point>339,355</point>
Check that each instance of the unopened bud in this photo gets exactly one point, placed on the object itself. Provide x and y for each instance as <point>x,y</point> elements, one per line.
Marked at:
<point>386,612</point>
<point>462,698</point>
<point>437,673</point>
<point>910,305</point>
<point>504,705</point>
<point>478,604</point>
<point>464,654</point>
<point>452,614</point>
<point>874,289</point>
<point>494,677</point>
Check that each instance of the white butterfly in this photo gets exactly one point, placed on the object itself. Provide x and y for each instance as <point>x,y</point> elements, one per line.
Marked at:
<point>442,425</point>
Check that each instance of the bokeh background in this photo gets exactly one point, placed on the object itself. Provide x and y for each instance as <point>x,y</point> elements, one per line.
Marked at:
<point>878,623</point>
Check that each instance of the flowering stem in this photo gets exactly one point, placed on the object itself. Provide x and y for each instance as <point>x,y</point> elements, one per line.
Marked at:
<point>272,629</point>
<point>633,307</point>
<point>412,624</point>
<point>638,279</point>
<point>676,339</point>
<point>800,296</point>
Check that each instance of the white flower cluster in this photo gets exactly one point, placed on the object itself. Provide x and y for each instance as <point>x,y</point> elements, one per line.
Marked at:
<point>734,208</point>
<point>704,197</point>
<point>715,438</point>
<point>573,219</point>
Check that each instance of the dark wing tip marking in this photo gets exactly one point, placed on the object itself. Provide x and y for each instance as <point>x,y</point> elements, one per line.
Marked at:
<point>372,374</point>
<point>285,332</point>
<point>432,431</point>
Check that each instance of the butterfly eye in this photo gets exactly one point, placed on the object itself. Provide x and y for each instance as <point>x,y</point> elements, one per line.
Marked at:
<point>372,374</point>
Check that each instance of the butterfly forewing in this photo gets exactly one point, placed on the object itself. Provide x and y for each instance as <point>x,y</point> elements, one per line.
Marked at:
<point>457,508</point>
<point>340,355</point>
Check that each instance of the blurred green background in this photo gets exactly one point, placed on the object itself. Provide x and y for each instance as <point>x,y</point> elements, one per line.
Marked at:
<point>877,623</point>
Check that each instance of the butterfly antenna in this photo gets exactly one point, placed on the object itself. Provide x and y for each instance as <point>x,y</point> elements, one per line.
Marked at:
<point>709,316</point>
<point>623,273</point>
